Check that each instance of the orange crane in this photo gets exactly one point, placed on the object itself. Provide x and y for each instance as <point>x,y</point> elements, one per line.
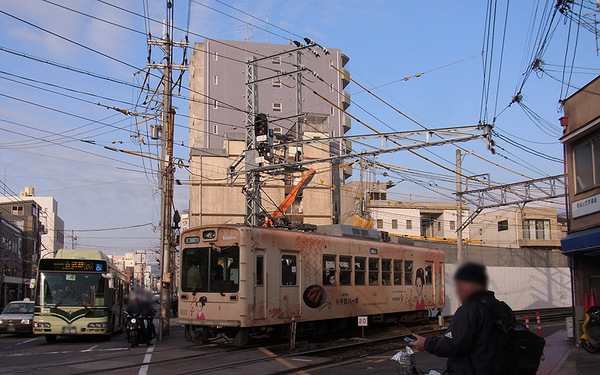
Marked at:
<point>291,197</point>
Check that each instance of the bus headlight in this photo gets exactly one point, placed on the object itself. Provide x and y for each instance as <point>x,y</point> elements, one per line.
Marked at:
<point>97,325</point>
<point>25,321</point>
<point>43,325</point>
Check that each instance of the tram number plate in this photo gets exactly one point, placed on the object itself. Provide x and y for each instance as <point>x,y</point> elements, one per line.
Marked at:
<point>363,321</point>
<point>69,330</point>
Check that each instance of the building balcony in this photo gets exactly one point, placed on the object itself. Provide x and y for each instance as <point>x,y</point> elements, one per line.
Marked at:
<point>346,123</point>
<point>347,171</point>
<point>345,78</point>
<point>345,59</point>
<point>346,101</point>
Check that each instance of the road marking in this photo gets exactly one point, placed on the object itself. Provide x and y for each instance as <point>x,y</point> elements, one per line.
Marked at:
<point>147,359</point>
<point>38,354</point>
<point>280,360</point>
<point>26,341</point>
<point>301,359</point>
<point>90,349</point>
<point>111,349</point>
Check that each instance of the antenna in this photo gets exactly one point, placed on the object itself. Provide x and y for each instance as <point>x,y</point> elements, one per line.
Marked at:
<point>248,31</point>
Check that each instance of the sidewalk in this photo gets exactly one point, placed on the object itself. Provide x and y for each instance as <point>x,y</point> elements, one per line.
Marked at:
<point>556,352</point>
<point>580,362</point>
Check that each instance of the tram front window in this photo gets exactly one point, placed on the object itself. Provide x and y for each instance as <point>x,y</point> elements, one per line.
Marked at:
<point>210,270</point>
<point>72,289</point>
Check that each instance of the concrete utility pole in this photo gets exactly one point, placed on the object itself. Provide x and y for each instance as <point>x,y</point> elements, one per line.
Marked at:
<point>459,209</point>
<point>167,167</point>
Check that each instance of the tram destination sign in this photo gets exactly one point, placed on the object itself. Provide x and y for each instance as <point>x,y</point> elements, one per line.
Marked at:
<point>72,265</point>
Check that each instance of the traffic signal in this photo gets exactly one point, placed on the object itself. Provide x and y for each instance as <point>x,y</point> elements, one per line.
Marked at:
<point>261,125</point>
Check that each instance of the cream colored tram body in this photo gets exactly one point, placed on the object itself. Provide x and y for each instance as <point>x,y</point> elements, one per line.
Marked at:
<point>240,280</point>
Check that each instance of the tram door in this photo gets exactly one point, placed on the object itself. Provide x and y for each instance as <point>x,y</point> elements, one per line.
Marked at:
<point>428,287</point>
<point>289,292</point>
<point>260,285</point>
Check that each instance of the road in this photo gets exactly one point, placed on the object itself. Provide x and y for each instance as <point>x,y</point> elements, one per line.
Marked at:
<point>175,356</point>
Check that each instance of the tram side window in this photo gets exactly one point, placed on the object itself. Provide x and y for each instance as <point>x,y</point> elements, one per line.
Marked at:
<point>288,270</point>
<point>345,270</point>
<point>260,270</point>
<point>329,269</point>
<point>397,272</point>
<point>386,271</point>
<point>408,272</point>
<point>428,273</point>
<point>373,271</point>
<point>360,270</point>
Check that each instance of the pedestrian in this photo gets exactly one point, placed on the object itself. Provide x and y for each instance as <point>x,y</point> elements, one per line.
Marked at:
<point>472,343</point>
<point>174,305</point>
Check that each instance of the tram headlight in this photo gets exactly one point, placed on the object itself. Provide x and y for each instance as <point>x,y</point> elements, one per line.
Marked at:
<point>209,235</point>
<point>25,321</point>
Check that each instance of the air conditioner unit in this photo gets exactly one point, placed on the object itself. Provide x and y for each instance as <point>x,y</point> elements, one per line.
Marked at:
<point>277,130</point>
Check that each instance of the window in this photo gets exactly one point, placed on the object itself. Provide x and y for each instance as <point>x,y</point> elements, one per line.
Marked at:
<point>584,166</point>
<point>215,80</point>
<point>331,88</point>
<point>502,225</point>
<point>331,64</point>
<point>439,225</point>
<point>209,270</point>
<point>452,225</point>
<point>379,223</point>
<point>276,107</point>
<point>428,273</point>
<point>288,270</point>
<point>536,229</point>
<point>394,224</point>
<point>216,56</point>
<point>332,111</point>
<point>408,271</point>
<point>277,60</point>
<point>276,82</point>
<point>17,210</point>
<point>373,271</point>
<point>397,272</point>
<point>408,224</point>
<point>360,269</point>
<point>215,129</point>
<point>386,272</point>
<point>377,196</point>
<point>345,270</point>
<point>481,231</point>
<point>260,270</point>
<point>215,104</point>
<point>329,269</point>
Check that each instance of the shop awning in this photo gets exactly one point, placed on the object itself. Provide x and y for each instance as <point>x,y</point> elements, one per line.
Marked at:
<point>583,241</point>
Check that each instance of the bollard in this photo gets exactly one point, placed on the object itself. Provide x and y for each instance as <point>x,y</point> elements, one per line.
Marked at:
<point>293,333</point>
<point>527,321</point>
<point>539,323</point>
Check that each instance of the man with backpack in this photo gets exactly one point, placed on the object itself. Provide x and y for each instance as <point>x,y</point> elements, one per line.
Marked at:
<point>483,337</point>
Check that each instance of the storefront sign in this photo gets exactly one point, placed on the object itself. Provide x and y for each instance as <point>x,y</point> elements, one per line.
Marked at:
<point>585,206</point>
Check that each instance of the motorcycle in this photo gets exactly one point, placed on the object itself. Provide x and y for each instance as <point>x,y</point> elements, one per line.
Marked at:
<point>140,329</point>
<point>590,340</point>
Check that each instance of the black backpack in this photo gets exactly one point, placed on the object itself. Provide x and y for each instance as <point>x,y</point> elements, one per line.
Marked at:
<point>520,350</point>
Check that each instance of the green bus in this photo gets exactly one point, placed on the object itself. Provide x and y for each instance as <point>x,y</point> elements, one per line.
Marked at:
<point>79,292</point>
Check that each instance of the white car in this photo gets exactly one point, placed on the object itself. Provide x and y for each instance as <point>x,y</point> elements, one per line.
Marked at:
<point>17,317</point>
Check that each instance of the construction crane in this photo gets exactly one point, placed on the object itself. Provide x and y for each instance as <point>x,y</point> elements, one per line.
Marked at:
<point>290,198</point>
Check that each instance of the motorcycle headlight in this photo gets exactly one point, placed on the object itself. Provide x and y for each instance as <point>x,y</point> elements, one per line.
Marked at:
<point>24,321</point>
<point>0,321</point>
<point>133,320</point>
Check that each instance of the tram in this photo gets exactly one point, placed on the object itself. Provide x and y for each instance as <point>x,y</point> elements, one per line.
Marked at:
<point>238,280</point>
<point>79,292</point>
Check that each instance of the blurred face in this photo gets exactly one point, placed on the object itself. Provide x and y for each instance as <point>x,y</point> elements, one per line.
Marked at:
<point>465,289</point>
<point>419,285</point>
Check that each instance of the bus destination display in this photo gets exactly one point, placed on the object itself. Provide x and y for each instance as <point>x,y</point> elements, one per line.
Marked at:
<point>72,265</point>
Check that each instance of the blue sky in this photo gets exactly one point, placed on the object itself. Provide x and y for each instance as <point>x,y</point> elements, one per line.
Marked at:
<point>385,40</point>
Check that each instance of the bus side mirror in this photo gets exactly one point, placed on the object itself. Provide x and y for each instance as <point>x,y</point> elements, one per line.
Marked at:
<point>32,284</point>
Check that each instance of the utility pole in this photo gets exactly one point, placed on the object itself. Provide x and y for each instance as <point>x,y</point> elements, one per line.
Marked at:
<point>167,167</point>
<point>73,239</point>
<point>459,208</point>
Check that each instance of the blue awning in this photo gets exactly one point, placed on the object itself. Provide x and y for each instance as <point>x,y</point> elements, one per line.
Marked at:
<point>583,241</point>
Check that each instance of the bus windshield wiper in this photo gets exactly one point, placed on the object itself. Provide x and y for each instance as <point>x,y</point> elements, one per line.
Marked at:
<point>61,301</point>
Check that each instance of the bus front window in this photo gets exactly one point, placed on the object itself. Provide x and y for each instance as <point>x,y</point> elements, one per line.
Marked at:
<point>71,289</point>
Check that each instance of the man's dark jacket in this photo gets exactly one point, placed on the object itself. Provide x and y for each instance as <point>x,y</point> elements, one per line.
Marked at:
<point>472,341</point>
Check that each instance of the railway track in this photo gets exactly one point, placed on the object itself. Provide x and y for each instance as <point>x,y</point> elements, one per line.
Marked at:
<point>335,354</point>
